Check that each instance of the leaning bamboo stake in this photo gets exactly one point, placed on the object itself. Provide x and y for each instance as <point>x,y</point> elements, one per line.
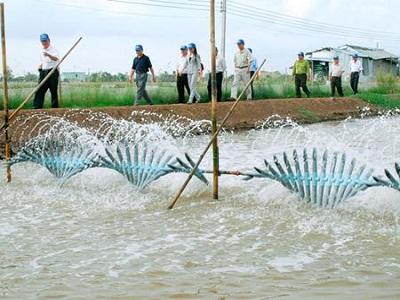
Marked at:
<point>5,91</point>
<point>214,101</point>
<point>15,112</point>
<point>228,115</point>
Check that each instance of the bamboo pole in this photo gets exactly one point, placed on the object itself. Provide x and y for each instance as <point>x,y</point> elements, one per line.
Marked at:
<point>214,101</point>
<point>15,112</point>
<point>227,116</point>
<point>5,91</point>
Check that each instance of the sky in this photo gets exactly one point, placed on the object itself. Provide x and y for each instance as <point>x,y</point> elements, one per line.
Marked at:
<point>110,30</point>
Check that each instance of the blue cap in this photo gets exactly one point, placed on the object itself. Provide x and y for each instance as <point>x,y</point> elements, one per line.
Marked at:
<point>192,46</point>
<point>355,55</point>
<point>184,47</point>
<point>301,54</point>
<point>251,50</point>
<point>44,37</point>
<point>336,57</point>
<point>240,42</point>
<point>138,48</point>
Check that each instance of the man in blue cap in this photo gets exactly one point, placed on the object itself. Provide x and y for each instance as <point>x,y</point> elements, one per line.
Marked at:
<point>141,66</point>
<point>355,68</point>
<point>242,61</point>
<point>182,81</point>
<point>49,59</point>
<point>301,70</point>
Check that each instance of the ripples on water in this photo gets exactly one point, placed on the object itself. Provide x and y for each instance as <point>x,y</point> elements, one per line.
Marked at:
<point>97,237</point>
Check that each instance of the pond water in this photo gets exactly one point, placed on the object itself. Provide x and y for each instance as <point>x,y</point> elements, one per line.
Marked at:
<point>97,237</point>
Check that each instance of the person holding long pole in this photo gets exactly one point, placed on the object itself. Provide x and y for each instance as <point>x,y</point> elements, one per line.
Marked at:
<point>49,59</point>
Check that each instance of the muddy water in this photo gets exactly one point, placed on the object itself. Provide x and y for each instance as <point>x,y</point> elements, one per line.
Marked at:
<point>97,238</point>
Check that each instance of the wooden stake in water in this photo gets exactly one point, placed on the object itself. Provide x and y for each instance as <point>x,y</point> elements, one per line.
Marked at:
<point>5,91</point>
<point>227,116</point>
<point>214,100</point>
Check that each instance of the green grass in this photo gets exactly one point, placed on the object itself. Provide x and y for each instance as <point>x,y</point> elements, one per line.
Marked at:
<point>308,115</point>
<point>384,93</point>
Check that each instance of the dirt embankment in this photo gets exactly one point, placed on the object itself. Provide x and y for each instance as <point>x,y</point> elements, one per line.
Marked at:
<point>248,114</point>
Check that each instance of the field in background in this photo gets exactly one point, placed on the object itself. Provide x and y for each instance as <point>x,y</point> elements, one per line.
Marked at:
<point>385,92</point>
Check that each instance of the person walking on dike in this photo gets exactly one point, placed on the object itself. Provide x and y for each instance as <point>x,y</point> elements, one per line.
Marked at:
<point>242,62</point>
<point>301,70</point>
<point>220,69</point>
<point>335,76</point>
<point>194,70</point>
<point>253,70</point>
<point>355,68</point>
<point>49,59</point>
<point>182,81</point>
<point>141,66</point>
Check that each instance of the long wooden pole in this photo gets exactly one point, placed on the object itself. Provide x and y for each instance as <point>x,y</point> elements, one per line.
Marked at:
<point>228,115</point>
<point>15,112</point>
<point>214,100</point>
<point>5,91</point>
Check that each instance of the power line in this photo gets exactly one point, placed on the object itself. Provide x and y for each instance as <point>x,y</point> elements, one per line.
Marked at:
<point>296,20</point>
<point>165,4</point>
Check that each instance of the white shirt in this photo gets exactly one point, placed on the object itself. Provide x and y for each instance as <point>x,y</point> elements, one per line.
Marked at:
<point>356,66</point>
<point>47,63</point>
<point>221,65</point>
<point>243,59</point>
<point>337,70</point>
<point>181,65</point>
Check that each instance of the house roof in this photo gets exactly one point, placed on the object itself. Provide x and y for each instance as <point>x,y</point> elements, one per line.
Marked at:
<point>375,54</point>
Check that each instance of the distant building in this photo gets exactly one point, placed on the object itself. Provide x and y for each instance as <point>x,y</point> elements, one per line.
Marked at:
<point>373,61</point>
<point>74,76</point>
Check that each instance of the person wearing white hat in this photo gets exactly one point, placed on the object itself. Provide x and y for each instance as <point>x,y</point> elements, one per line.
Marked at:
<point>182,81</point>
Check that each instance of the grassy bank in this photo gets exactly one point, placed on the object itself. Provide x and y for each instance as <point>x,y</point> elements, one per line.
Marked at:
<point>384,93</point>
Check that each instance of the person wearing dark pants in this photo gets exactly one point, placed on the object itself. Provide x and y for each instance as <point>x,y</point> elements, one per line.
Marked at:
<point>355,68</point>
<point>220,70</point>
<point>49,59</point>
<point>301,69</point>
<point>141,66</point>
<point>336,77</point>
<point>182,81</point>
<point>253,70</point>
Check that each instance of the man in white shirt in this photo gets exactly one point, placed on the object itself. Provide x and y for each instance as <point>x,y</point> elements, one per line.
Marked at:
<point>335,76</point>
<point>242,61</point>
<point>49,59</point>
<point>220,70</point>
<point>355,68</point>
<point>182,81</point>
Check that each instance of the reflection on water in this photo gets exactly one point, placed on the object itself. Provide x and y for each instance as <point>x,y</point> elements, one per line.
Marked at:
<point>97,237</point>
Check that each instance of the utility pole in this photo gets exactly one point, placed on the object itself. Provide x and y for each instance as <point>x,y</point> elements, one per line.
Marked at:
<point>223,28</point>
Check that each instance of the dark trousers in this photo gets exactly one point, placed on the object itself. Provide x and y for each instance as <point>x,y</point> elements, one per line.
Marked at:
<point>52,84</point>
<point>182,82</point>
<point>220,78</point>
<point>336,84</point>
<point>141,80</point>
<point>354,79</point>
<point>301,82</point>
<point>252,87</point>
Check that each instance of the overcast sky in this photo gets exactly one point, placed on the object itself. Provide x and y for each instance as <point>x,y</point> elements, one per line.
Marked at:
<point>110,30</point>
